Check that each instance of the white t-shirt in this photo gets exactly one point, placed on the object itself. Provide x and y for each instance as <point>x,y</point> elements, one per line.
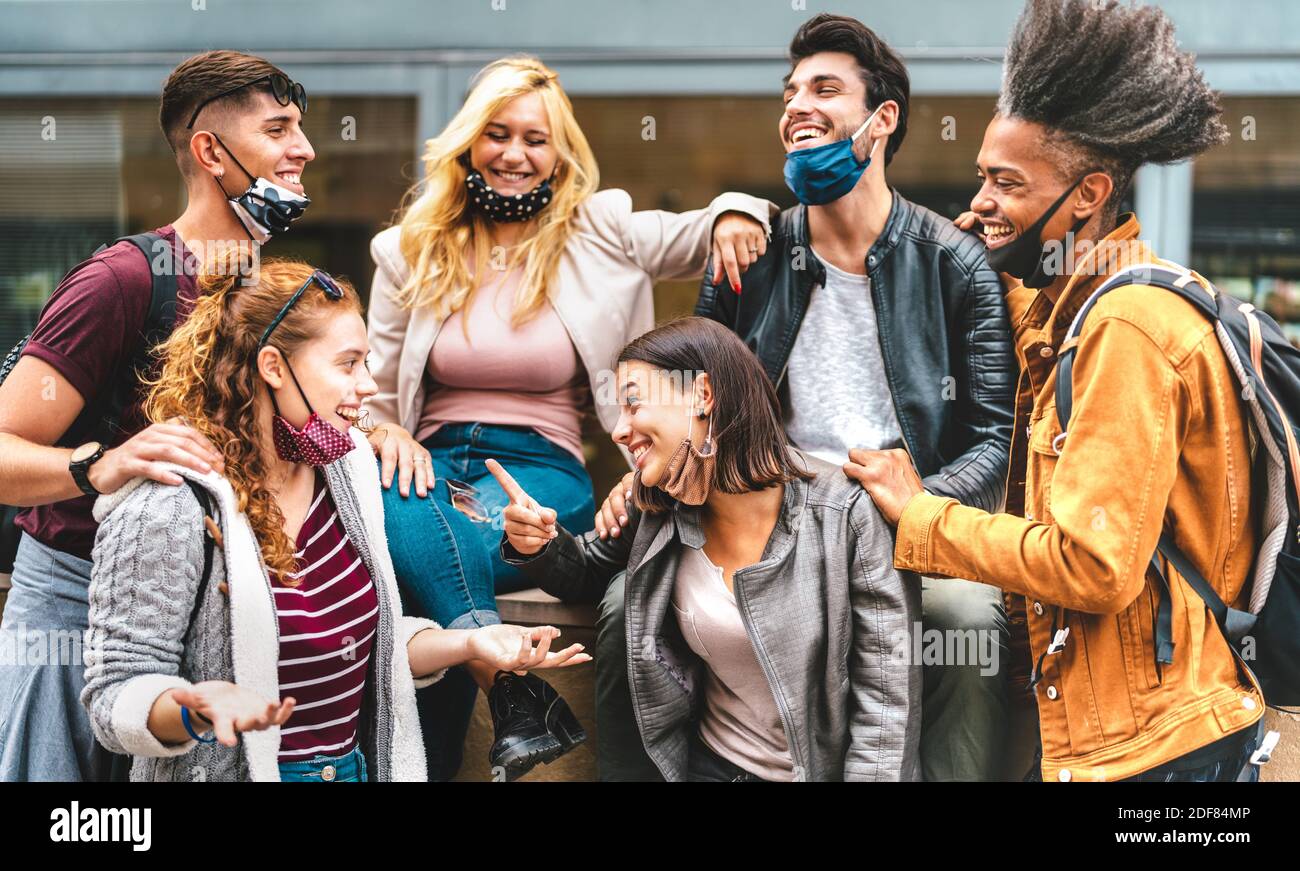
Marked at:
<point>839,395</point>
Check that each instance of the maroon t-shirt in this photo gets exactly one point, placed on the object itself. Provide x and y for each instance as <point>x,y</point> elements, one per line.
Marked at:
<point>91,330</point>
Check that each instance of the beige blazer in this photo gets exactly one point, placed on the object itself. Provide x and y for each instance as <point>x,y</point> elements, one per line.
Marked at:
<point>602,296</point>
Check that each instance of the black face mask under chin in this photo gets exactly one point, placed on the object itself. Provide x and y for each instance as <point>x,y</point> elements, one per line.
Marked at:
<point>1025,257</point>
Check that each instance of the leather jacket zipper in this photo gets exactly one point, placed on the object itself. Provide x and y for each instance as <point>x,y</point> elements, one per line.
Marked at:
<point>796,755</point>
<point>893,400</point>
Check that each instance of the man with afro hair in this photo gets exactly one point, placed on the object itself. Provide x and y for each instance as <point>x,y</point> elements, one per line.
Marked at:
<point>1157,440</point>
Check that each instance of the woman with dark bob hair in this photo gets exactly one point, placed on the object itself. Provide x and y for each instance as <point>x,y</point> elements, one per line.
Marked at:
<point>768,632</point>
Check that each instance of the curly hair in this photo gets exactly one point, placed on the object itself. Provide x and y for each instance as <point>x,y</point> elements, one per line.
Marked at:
<point>1110,83</point>
<point>209,375</point>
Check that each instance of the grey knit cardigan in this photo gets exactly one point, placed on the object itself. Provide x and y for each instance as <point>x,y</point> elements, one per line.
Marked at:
<point>148,558</point>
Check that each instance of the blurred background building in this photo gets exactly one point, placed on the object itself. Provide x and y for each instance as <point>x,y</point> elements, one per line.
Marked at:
<point>704,78</point>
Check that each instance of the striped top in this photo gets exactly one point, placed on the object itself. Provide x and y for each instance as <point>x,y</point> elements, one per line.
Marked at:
<point>327,628</point>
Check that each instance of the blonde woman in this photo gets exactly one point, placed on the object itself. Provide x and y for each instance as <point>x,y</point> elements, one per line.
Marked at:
<point>279,652</point>
<point>507,288</point>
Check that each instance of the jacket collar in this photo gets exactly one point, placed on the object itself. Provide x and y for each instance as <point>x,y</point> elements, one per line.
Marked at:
<point>690,529</point>
<point>1054,320</point>
<point>885,243</point>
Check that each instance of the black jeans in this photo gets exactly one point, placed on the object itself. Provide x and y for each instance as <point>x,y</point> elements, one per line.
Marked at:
<point>705,766</point>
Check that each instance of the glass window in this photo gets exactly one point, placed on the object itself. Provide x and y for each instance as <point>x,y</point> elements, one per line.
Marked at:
<point>80,172</point>
<point>1246,208</point>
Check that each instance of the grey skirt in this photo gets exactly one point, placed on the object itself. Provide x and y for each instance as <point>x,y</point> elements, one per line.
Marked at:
<point>44,730</point>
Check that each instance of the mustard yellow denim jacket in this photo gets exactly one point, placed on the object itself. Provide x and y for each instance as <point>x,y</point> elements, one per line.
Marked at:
<point>1158,439</point>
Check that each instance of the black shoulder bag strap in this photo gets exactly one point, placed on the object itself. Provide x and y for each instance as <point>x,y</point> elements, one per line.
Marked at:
<point>158,323</point>
<point>209,545</point>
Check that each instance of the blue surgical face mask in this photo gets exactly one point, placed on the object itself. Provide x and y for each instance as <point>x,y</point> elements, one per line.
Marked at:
<point>822,175</point>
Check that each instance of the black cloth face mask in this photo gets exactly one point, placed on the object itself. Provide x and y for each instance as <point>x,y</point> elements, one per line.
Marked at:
<point>505,209</point>
<point>1025,257</point>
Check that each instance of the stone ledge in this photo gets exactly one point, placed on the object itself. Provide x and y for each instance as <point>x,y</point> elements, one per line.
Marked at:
<point>536,608</point>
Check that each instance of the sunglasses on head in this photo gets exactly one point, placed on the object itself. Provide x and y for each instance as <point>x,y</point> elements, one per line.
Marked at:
<point>283,89</point>
<point>327,284</point>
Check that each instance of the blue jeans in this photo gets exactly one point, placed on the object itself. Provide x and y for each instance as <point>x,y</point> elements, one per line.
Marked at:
<point>705,766</point>
<point>547,472</point>
<point>44,730</point>
<point>348,768</point>
<point>449,567</point>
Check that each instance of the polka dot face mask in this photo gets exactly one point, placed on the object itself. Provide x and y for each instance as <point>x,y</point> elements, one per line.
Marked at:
<point>502,208</point>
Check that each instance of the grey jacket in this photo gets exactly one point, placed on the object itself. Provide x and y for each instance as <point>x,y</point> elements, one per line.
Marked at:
<point>147,562</point>
<point>828,615</point>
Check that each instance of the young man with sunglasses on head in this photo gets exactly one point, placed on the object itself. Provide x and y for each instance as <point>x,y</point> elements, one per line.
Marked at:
<point>70,420</point>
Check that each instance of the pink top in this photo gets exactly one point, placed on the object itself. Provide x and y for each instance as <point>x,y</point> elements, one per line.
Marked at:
<point>529,376</point>
<point>740,720</point>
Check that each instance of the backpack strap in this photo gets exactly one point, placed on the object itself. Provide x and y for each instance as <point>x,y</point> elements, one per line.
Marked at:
<point>1234,624</point>
<point>158,324</point>
<point>1147,274</point>
<point>209,545</point>
<point>162,297</point>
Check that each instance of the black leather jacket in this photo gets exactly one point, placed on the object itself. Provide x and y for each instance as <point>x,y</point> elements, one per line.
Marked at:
<point>944,336</point>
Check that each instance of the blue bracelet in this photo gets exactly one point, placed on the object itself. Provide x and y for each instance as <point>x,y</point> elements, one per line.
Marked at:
<point>189,727</point>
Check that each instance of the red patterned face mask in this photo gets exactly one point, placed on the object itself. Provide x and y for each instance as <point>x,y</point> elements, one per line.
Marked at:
<point>316,444</point>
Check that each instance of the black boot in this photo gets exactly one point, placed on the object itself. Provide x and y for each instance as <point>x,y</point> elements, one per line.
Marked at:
<point>532,722</point>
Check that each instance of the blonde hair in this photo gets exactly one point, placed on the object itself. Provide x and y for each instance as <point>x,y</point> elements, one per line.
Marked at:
<point>438,228</point>
<point>209,377</point>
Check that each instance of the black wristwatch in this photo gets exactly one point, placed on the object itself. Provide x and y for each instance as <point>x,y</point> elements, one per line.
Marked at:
<point>82,459</point>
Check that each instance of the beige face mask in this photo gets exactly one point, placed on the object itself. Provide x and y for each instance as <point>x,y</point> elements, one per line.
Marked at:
<point>688,477</point>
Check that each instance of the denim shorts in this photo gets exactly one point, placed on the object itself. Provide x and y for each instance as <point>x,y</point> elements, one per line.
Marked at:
<point>348,768</point>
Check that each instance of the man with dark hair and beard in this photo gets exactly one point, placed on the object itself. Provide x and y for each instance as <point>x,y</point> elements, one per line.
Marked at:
<point>881,326</point>
<point>1157,439</point>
